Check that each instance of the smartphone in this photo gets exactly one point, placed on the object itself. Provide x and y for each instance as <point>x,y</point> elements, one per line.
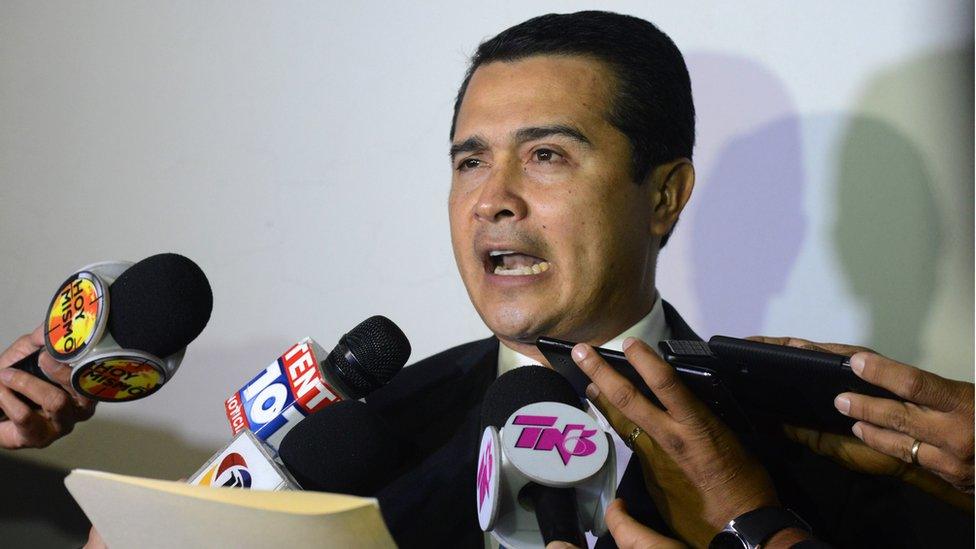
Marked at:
<point>788,384</point>
<point>702,381</point>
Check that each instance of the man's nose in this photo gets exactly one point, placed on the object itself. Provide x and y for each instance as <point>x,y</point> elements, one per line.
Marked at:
<point>501,195</point>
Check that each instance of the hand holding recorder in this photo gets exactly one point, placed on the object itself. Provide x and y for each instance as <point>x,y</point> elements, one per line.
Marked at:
<point>697,472</point>
<point>924,436</point>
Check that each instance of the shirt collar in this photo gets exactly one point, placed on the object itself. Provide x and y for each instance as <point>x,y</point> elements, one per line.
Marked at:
<point>652,328</point>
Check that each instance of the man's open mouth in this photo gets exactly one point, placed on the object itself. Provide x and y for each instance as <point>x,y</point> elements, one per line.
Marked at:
<point>512,263</point>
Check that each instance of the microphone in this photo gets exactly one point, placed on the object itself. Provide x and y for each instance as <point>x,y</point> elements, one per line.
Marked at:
<point>298,384</point>
<point>275,403</point>
<point>546,471</point>
<point>123,327</point>
<point>246,462</point>
<point>346,448</point>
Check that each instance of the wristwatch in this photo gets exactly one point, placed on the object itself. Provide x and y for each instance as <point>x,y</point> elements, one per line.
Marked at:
<point>750,530</point>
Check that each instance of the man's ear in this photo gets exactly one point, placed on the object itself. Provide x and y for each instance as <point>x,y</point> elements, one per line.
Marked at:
<point>671,184</point>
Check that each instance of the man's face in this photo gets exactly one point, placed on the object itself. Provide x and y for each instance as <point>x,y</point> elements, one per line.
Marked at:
<point>551,234</point>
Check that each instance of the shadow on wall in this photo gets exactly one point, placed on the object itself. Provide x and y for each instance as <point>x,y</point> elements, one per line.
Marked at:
<point>748,225</point>
<point>887,233</point>
<point>36,509</point>
<point>903,175</point>
<point>905,197</point>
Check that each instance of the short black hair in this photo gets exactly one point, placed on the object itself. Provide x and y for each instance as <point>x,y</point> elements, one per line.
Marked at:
<point>652,103</point>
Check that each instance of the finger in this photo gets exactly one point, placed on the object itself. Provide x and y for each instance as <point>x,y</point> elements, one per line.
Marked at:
<point>95,540</point>
<point>51,399</point>
<point>628,533</point>
<point>54,370</point>
<point>826,444</point>
<point>817,441</point>
<point>842,348</point>
<point>23,427</point>
<point>886,441</point>
<point>60,373</point>
<point>561,545</point>
<point>619,392</point>
<point>895,444</point>
<point>786,341</point>
<point>957,471</point>
<point>620,423</point>
<point>663,380</point>
<point>643,446</point>
<point>37,337</point>
<point>21,347</point>
<point>905,381</point>
<point>81,408</point>
<point>836,348</point>
<point>13,407</point>
<point>904,417</point>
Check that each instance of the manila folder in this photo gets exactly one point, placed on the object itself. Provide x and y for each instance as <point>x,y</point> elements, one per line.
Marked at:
<point>138,512</point>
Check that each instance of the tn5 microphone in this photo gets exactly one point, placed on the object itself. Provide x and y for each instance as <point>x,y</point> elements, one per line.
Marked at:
<point>546,471</point>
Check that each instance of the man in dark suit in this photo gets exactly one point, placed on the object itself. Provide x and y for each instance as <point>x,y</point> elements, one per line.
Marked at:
<point>571,149</point>
<point>569,173</point>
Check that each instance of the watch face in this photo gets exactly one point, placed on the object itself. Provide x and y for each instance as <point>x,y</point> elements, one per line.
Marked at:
<point>727,540</point>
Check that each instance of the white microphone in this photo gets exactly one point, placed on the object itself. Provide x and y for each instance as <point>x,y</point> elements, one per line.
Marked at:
<point>546,471</point>
<point>246,462</point>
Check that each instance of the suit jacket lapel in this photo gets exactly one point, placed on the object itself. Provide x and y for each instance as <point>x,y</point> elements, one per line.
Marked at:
<point>432,504</point>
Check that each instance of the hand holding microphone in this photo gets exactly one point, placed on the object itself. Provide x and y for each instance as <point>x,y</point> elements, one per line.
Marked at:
<point>57,406</point>
<point>114,331</point>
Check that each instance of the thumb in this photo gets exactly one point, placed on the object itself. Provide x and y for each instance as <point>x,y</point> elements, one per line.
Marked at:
<point>628,533</point>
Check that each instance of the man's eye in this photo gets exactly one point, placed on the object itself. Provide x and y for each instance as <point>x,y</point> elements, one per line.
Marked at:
<point>468,164</point>
<point>546,155</point>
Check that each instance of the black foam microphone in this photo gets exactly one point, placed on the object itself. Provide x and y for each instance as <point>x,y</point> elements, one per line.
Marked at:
<point>345,448</point>
<point>160,304</point>
<point>300,383</point>
<point>555,508</point>
<point>122,327</point>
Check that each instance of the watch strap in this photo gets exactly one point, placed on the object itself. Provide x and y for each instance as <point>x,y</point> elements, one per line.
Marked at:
<point>755,527</point>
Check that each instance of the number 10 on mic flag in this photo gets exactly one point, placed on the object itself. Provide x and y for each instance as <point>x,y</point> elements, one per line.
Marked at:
<point>284,393</point>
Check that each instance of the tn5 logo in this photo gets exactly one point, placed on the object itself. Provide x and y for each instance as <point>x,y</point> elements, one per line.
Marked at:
<point>539,434</point>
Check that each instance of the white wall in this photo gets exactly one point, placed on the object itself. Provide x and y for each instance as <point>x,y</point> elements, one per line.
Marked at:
<point>298,152</point>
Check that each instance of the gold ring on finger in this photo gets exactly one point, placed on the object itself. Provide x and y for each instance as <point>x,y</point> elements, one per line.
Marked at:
<point>632,437</point>
<point>915,452</point>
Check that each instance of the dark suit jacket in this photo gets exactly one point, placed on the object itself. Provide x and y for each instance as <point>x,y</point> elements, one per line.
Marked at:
<point>435,405</point>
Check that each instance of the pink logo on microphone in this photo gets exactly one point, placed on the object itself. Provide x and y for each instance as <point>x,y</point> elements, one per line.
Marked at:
<point>539,434</point>
<point>484,473</point>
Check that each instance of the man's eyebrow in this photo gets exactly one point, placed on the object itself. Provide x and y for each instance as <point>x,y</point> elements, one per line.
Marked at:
<point>477,143</point>
<point>539,132</point>
<point>471,144</point>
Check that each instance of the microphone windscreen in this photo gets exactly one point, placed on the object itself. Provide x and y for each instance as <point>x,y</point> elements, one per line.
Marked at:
<point>159,305</point>
<point>345,448</point>
<point>522,386</point>
<point>379,348</point>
